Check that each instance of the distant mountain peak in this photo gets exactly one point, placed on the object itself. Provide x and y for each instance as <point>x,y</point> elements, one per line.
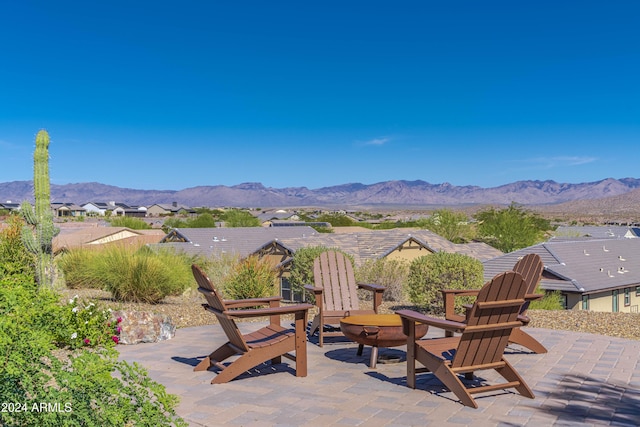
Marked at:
<point>414,193</point>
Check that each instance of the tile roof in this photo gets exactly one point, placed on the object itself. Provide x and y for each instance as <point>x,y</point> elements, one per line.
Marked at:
<point>363,245</point>
<point>76,237</point>
<point>583,266</point>
<point>600,232</point>
<point>378,244</point>
<point>241,241</point>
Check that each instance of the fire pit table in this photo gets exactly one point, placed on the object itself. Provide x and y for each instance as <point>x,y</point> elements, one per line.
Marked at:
<point>377,330</point>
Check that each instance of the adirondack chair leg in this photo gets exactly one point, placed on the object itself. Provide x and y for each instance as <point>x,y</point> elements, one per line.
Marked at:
<point>243,364</point>
<point>315,323</point>
<point>410,331</point>
<point>510,374</point>
<point>301,345</point>
<point>221,353</point>
<point>360,348</point>
<point>276,360</point>
<point>453,383</point>
<point>520,337</point>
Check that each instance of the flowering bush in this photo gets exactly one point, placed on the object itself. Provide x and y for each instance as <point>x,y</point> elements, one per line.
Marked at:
<point>86,324</point>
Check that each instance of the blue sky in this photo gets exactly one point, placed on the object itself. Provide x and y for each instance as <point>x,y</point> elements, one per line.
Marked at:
<point>171,95</point>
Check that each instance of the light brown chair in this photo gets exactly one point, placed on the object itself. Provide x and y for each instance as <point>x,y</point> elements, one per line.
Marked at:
<point>336,293</point>
<point>481,345</point>
<point>268,343</point>
<point>530,267</point>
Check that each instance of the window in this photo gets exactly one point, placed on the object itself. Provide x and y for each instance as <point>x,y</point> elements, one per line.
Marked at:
<point>585,302</point>
<point>638,291</point>
<point>614,301</point>
<point>627,297</point>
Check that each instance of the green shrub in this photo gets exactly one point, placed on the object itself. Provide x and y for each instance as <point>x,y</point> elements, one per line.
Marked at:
<point>240,218</point>
<point>86,387</point>
<point>429,274</point>
<point>14,257</point>
<point>134,276</point>
<point>219,269</point>
<point>550,301</point>
<point>252,278</point>
<point>85,324</point>
<point>78,267</point>
<point>141,276</point>
<point>391,273</point>
<point>129,222</point>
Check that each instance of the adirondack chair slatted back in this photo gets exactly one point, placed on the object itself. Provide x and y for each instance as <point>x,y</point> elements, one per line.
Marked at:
<point>217,305</point>
<point>333,272</point>
<point>491,320</point>
<point>530,267</point>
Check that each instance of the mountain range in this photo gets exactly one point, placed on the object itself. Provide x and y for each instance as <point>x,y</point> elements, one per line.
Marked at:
<point>388,193</point>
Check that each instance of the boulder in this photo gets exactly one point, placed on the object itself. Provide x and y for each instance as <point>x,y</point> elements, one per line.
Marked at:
<point>143,326</point>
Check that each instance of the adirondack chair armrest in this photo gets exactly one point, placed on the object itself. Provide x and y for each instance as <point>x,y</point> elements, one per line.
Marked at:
<point>376,290</point>
<point>260,312</point>
<point>414,316</point>
<point>251,302</point>
<point>372,287</point>
<point>448,295</point>
<point>316,290</point>
<point>533,297</point>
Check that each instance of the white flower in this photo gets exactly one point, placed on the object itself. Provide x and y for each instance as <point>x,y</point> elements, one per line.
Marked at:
<point>74,335</point>
<point>86,322</point>
<point>74,309</point>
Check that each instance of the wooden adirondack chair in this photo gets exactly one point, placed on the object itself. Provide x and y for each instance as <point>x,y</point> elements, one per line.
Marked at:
<point>268,343</point>
<point>481,345</point>
<point>336,293</point>
<point>530,267</point>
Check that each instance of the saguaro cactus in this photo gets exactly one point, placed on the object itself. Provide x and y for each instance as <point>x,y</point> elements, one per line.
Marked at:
<point>39,233</point>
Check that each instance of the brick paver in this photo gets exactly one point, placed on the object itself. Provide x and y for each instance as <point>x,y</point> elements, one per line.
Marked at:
<point>584,379</point>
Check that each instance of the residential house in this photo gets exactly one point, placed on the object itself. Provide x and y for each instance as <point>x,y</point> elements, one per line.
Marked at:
<point>99,208</point>
<point>63,210</point>
<point>9,206</point>
<point>369,245</point>
<point>169,209</point>
<point>591,274</point>
<point>96,237</point>
<point>597,232</point>
<point>237,241</point>
<point>278,244</point>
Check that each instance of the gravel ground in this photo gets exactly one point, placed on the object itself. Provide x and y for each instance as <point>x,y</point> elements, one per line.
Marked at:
<point>186,311</point>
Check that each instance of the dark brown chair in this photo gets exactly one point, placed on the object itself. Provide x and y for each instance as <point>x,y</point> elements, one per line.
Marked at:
<point>268,343</point>
<point>336,293</point>
<point>530,267</point>
<point>480,347</point>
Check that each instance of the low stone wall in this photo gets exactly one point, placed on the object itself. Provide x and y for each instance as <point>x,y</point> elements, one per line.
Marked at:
<point>143,326</point>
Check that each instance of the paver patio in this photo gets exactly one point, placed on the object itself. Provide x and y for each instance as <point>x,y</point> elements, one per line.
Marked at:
<point>584,379</point>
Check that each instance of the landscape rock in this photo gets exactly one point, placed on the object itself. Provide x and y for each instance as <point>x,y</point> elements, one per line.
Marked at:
<point>143,326</point>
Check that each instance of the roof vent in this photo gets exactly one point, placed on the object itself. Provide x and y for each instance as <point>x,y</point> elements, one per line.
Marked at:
<point>609,273</point>
<point>620,258</point>
<point>224,239</point>
<point>604,248</point>
<point>215,239</point>
<point>601,269</point>
<point>586,253</point>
